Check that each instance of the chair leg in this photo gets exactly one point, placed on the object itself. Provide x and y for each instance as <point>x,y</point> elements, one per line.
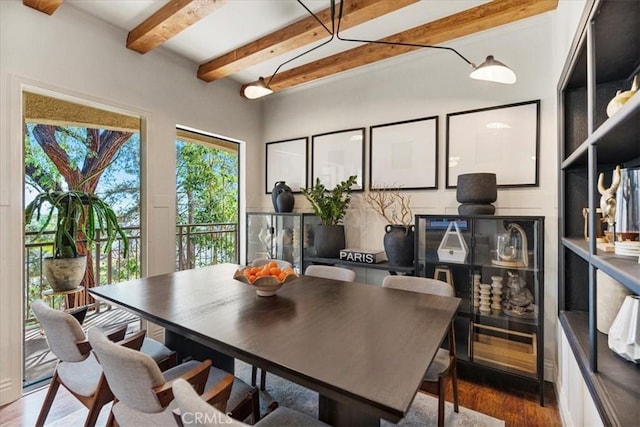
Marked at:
<point>255,406</point>
<point>441,400</point>
<point>254,374</point>
<point>48,400</point>
<point>92,416</point>
<point>111,421</point>
<point>454,383</point>
<point>263,379</point>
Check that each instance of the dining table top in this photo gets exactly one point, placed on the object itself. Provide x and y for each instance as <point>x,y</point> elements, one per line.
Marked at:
<point>359,343</point>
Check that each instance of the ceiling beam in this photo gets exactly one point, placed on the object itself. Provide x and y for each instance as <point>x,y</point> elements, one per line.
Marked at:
<point>44,6</point>
<point>479,18</point>
<point>168,21</point>
<point>296,35</point>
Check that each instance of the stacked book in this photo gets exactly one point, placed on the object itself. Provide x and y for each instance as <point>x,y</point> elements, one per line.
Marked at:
<point>363,256</point>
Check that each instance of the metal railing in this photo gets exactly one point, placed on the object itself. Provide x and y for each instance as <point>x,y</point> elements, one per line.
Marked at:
<point>197,245</point>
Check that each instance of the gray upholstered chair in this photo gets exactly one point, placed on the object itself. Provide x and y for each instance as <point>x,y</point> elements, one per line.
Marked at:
<point>77,369</point>
<point>444,363</point>
<point>194,410</point>
<point>331,272</point>
<point>143,394</point>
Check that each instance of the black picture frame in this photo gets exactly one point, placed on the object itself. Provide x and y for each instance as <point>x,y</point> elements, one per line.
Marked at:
<point>504,140</point>
<point>287,161</point>
<point>337,155</point>
<point>404,155</point>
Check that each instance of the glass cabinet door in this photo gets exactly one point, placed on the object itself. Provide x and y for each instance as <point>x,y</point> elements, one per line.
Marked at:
<point>505,294</point>
<point>285,236</point>
<point>494,264</point>
<point>259,236</point>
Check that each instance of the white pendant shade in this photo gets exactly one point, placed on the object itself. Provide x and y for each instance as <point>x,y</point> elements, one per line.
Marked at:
<point>255,90</point>
<point>493,71</point>
<point>624,335</point>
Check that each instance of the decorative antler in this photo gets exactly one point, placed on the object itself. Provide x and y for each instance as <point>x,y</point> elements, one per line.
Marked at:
<point>608,199</point>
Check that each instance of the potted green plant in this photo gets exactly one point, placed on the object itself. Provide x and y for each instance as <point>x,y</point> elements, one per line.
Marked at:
<point>78,215</point>
<point>330,206</point>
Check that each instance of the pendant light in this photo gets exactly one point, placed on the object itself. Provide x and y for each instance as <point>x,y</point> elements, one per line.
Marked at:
<point>490,70</point>
<point>493,71</point>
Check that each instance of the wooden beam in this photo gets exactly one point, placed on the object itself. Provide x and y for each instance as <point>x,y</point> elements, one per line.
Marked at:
<point>480,18</point>
<point>44,6</point>
<point>168,21</point>
<point>298,34</point>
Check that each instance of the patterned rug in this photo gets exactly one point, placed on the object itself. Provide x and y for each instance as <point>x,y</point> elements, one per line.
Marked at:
<point>423,412</point>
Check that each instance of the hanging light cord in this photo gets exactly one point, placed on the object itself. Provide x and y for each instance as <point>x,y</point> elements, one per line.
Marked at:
<point>334,32</point>
<point>331,32</point>
<point>393,43</point>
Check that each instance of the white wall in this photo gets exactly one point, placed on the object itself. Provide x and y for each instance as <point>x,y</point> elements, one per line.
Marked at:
<point>431,83</point>
<point>79,56</point>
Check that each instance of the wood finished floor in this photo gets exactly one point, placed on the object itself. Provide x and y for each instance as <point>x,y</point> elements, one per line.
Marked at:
<point>515,407</point>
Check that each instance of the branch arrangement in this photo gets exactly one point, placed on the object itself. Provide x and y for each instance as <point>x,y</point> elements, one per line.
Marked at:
<point>390,204</point>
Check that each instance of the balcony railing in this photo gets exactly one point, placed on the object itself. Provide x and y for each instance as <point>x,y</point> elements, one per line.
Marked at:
<point>197,245</point>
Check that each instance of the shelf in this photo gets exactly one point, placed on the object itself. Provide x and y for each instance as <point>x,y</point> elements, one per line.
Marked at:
<point>577,158</point>
<point>578,246</point>
<point>624,269</point>
<point>614,388</point>
<point>617,139</point>
<point>379,266</point>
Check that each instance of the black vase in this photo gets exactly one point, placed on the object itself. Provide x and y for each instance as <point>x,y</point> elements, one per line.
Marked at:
<point>398,244</point>
<point>285,201</point>
<point>329,239</point>
<point>476,192</point>
<point>286,205</point>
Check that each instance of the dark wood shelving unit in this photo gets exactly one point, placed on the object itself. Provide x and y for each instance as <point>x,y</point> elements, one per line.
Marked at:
<point>604,58</point>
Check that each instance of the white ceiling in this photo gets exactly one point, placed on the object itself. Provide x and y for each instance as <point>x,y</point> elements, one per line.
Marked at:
<point>239,22</point>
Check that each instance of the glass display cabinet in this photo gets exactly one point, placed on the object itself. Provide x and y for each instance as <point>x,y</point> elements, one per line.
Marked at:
<point>495,264</point>
<point>286,236</point>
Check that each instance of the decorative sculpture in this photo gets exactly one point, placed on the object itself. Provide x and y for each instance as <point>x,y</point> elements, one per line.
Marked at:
<point>517,299</point>
<point>608,199</point>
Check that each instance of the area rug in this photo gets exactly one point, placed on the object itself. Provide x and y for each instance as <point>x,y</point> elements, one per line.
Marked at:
<point>423,412</point>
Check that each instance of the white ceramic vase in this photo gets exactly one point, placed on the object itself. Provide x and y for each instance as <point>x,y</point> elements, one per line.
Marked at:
<point>624,335</point>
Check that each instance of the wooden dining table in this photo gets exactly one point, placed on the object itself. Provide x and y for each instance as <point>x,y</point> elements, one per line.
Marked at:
<point>362,347</point>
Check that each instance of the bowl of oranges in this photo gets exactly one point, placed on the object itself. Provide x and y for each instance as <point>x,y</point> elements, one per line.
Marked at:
<point>267,279</point>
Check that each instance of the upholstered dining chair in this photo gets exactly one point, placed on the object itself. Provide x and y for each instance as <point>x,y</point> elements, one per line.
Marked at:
<point>331,272</point>
<point>195,410</point>
<point>77,369</point>
<point>443,365</point>
<point>142,393</point>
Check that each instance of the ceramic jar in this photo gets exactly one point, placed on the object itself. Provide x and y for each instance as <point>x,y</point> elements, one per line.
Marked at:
<point>282,197</point>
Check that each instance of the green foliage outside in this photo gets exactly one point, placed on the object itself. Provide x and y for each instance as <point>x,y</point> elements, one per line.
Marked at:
<point>207,192</point>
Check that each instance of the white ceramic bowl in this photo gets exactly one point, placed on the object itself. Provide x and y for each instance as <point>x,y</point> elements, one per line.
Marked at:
<point>266,286</point>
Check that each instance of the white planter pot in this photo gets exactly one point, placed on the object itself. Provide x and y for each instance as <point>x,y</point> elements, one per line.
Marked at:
<point>624,335</point>
<point>610,296</point>
<point>65,274</point>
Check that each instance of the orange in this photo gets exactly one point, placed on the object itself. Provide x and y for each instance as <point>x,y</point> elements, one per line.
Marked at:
<point>275,271</point>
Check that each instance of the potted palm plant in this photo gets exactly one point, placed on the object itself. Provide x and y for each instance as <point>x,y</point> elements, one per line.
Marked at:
<point>330,206</point>
<point>78,215</point>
